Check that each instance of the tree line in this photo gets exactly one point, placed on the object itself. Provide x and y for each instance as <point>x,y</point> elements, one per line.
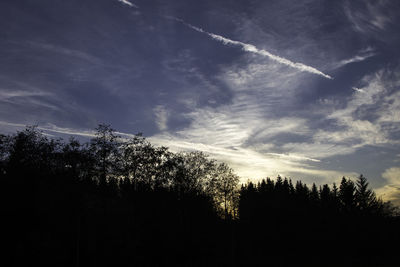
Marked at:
<point>349,199</point>
<point>116,201</point>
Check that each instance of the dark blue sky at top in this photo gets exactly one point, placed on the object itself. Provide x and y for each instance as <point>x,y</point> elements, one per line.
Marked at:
<point>69,65</point>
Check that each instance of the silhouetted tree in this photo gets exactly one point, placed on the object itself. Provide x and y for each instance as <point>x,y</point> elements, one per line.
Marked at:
<point>365,197</point>
<point>314,195</point>
<point>225,183</point>
<point>325,195</point>
<point>5,142</point>
<point>346,195</point>
<point>104,147</point>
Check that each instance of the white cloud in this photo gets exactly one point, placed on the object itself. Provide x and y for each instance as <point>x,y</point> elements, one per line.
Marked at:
<point>363,55</point>
<point>242,132</point>
<point>7,94</point>
<point>126,2</point>
<point>250,164</point>
<point>356,58</point>
<point>391,190</point>
<point>31,97</point>
<point>49,127</point>
<point>252,49</point>
<point>18,89</point>
<point>392,175</point>
<point>370,115</point>
<point>358,89</point>
<point>390,112</point>
<point>317,150</point>
<point>293,157</point>
<point>247,161</point>
<point>161,115</point>
<point>10,128</point>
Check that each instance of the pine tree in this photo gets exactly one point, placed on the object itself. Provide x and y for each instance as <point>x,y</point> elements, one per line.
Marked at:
<point>325,194</point>
<point>347,195</point>
<point>314,196</point>
<point>364,196</point>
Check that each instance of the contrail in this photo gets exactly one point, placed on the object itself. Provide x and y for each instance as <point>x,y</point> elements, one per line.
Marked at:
<point>126,2</point>
<point>251,48</point>
<point>357,58</point>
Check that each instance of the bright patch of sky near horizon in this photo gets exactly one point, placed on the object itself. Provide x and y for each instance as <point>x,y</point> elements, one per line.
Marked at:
<point>245,81</point>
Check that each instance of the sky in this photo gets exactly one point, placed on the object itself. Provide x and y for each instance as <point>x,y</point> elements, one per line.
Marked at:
<point>303,89</point>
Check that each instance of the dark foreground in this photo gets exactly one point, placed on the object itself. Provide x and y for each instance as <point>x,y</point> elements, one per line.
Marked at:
<point>106,204</point>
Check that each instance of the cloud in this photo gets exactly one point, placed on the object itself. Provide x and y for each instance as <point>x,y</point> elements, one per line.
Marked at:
<point>259,90</point>
<point>9,127</point>
<point>253,49</point>
<point>371,115</point>
<point>249,133</point>
<point>66,51</point>
<point>359,57</point>
<point>49,128</point>
<point>317,150</point>
<point>250,164</point>
<point>52,128</point>
<point>259,131</point>
<point>247,162</point>
<point>28,96</point>
<point>293,157</point>
<point>371,17</point>
<point>391,191</point>
<point>243,132</point>
<point>161,114</point>
<point>6,95</point>
<point>358,89</point>
<point>69,131</point>
<point>392,175</point>
<point>126,2</point>
<point>354,59</point>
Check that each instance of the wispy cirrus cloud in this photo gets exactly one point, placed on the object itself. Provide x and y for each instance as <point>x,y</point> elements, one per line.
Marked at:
<point>6,95</point>
<point>370,16</point>
<point>248,163</point>
<point>243,132</point>
<point>371,115</point>
<point>248,135</point>
<point>22,94</point>
<point>253,49</point>
<point>66,51</point>
<point>49,127</point>
<point>251,164</point>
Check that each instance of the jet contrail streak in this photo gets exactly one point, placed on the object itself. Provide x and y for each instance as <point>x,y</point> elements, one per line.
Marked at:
<point>126,2</point>
<point>251,48</point>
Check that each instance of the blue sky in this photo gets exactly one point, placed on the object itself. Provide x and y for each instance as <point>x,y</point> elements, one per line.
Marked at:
<point>305,89</point>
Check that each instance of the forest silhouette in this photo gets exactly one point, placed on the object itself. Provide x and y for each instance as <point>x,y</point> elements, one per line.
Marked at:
<point>116,201</point>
